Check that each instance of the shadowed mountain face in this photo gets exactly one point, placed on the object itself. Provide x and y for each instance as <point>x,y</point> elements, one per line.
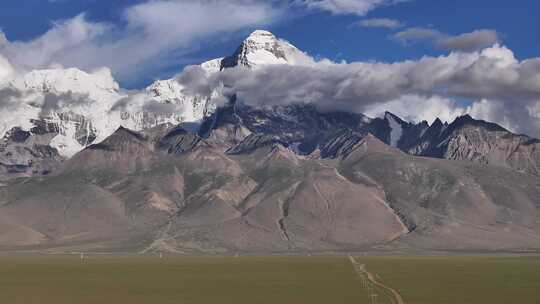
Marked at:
<point>278,180</point>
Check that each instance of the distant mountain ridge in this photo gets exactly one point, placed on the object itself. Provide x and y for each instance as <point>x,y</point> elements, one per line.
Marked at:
<point>244,185</point>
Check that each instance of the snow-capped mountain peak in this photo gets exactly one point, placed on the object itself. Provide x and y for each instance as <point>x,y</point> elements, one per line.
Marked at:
<point>258,49</point>
<point>264,48</point>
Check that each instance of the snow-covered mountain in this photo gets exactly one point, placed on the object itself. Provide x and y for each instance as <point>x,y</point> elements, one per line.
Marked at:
<point>86,108</point>
<point>263,48</point>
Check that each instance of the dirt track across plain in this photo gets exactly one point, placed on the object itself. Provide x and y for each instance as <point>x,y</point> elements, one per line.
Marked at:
<point>395,297</point>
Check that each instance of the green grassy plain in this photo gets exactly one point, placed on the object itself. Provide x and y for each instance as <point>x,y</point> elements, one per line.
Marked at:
<point>179,280</point>
<point>283,280</point>
<point>459,280</point>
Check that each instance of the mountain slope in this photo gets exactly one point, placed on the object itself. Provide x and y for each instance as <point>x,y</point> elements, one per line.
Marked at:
<point>173,190</point>
<point>452,205</point>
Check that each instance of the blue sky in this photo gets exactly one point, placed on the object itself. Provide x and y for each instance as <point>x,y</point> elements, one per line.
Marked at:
<point>321,33</point>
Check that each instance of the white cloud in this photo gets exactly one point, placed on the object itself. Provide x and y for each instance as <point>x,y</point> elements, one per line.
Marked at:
<point>3,38</point>
<point>469,41</point>
<point>356,7</point>
<point>466,42</point>
<point>153,34</point>
<point>62,39</point>
<point>418,108</point>
<point>414,34</point>
<point>381,22</point>
<point>6,70</point>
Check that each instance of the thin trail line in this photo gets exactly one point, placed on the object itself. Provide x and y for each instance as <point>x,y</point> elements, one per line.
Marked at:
<point>361,270</point>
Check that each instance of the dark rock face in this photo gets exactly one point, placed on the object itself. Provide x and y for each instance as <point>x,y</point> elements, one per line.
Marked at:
<point>179,141</point>
<point>341,144</point>
<point>42,127</point>
<point>27,153</point>
<point>18,135</point>
<point>299,127</point>
<point>409,132</point>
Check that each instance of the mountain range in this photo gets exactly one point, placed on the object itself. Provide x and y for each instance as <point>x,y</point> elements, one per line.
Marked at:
<point>85,165</point>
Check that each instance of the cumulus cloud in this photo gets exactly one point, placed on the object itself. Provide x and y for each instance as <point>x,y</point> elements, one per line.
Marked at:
<point>356,7</point>
<point>381,22</point>
<point>9,98</point>
<point>53,102</point>
<point>153,33</point>
<point>469,41</point>
<point>466,42</point>
<point>421,89</point>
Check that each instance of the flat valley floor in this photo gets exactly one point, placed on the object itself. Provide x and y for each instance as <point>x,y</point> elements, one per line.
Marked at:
<point>284,280</point>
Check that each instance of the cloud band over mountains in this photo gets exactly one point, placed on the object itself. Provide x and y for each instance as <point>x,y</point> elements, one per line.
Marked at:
<point>498,84</point>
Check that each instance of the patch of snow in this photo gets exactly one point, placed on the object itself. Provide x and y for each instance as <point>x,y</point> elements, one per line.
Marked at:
<point>212,66</point>
<point>66,142</point>
<point>396,130</point>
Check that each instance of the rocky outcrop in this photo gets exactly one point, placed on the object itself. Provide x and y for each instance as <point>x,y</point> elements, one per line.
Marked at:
<point>27,153</point>
<point>481,142</point>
